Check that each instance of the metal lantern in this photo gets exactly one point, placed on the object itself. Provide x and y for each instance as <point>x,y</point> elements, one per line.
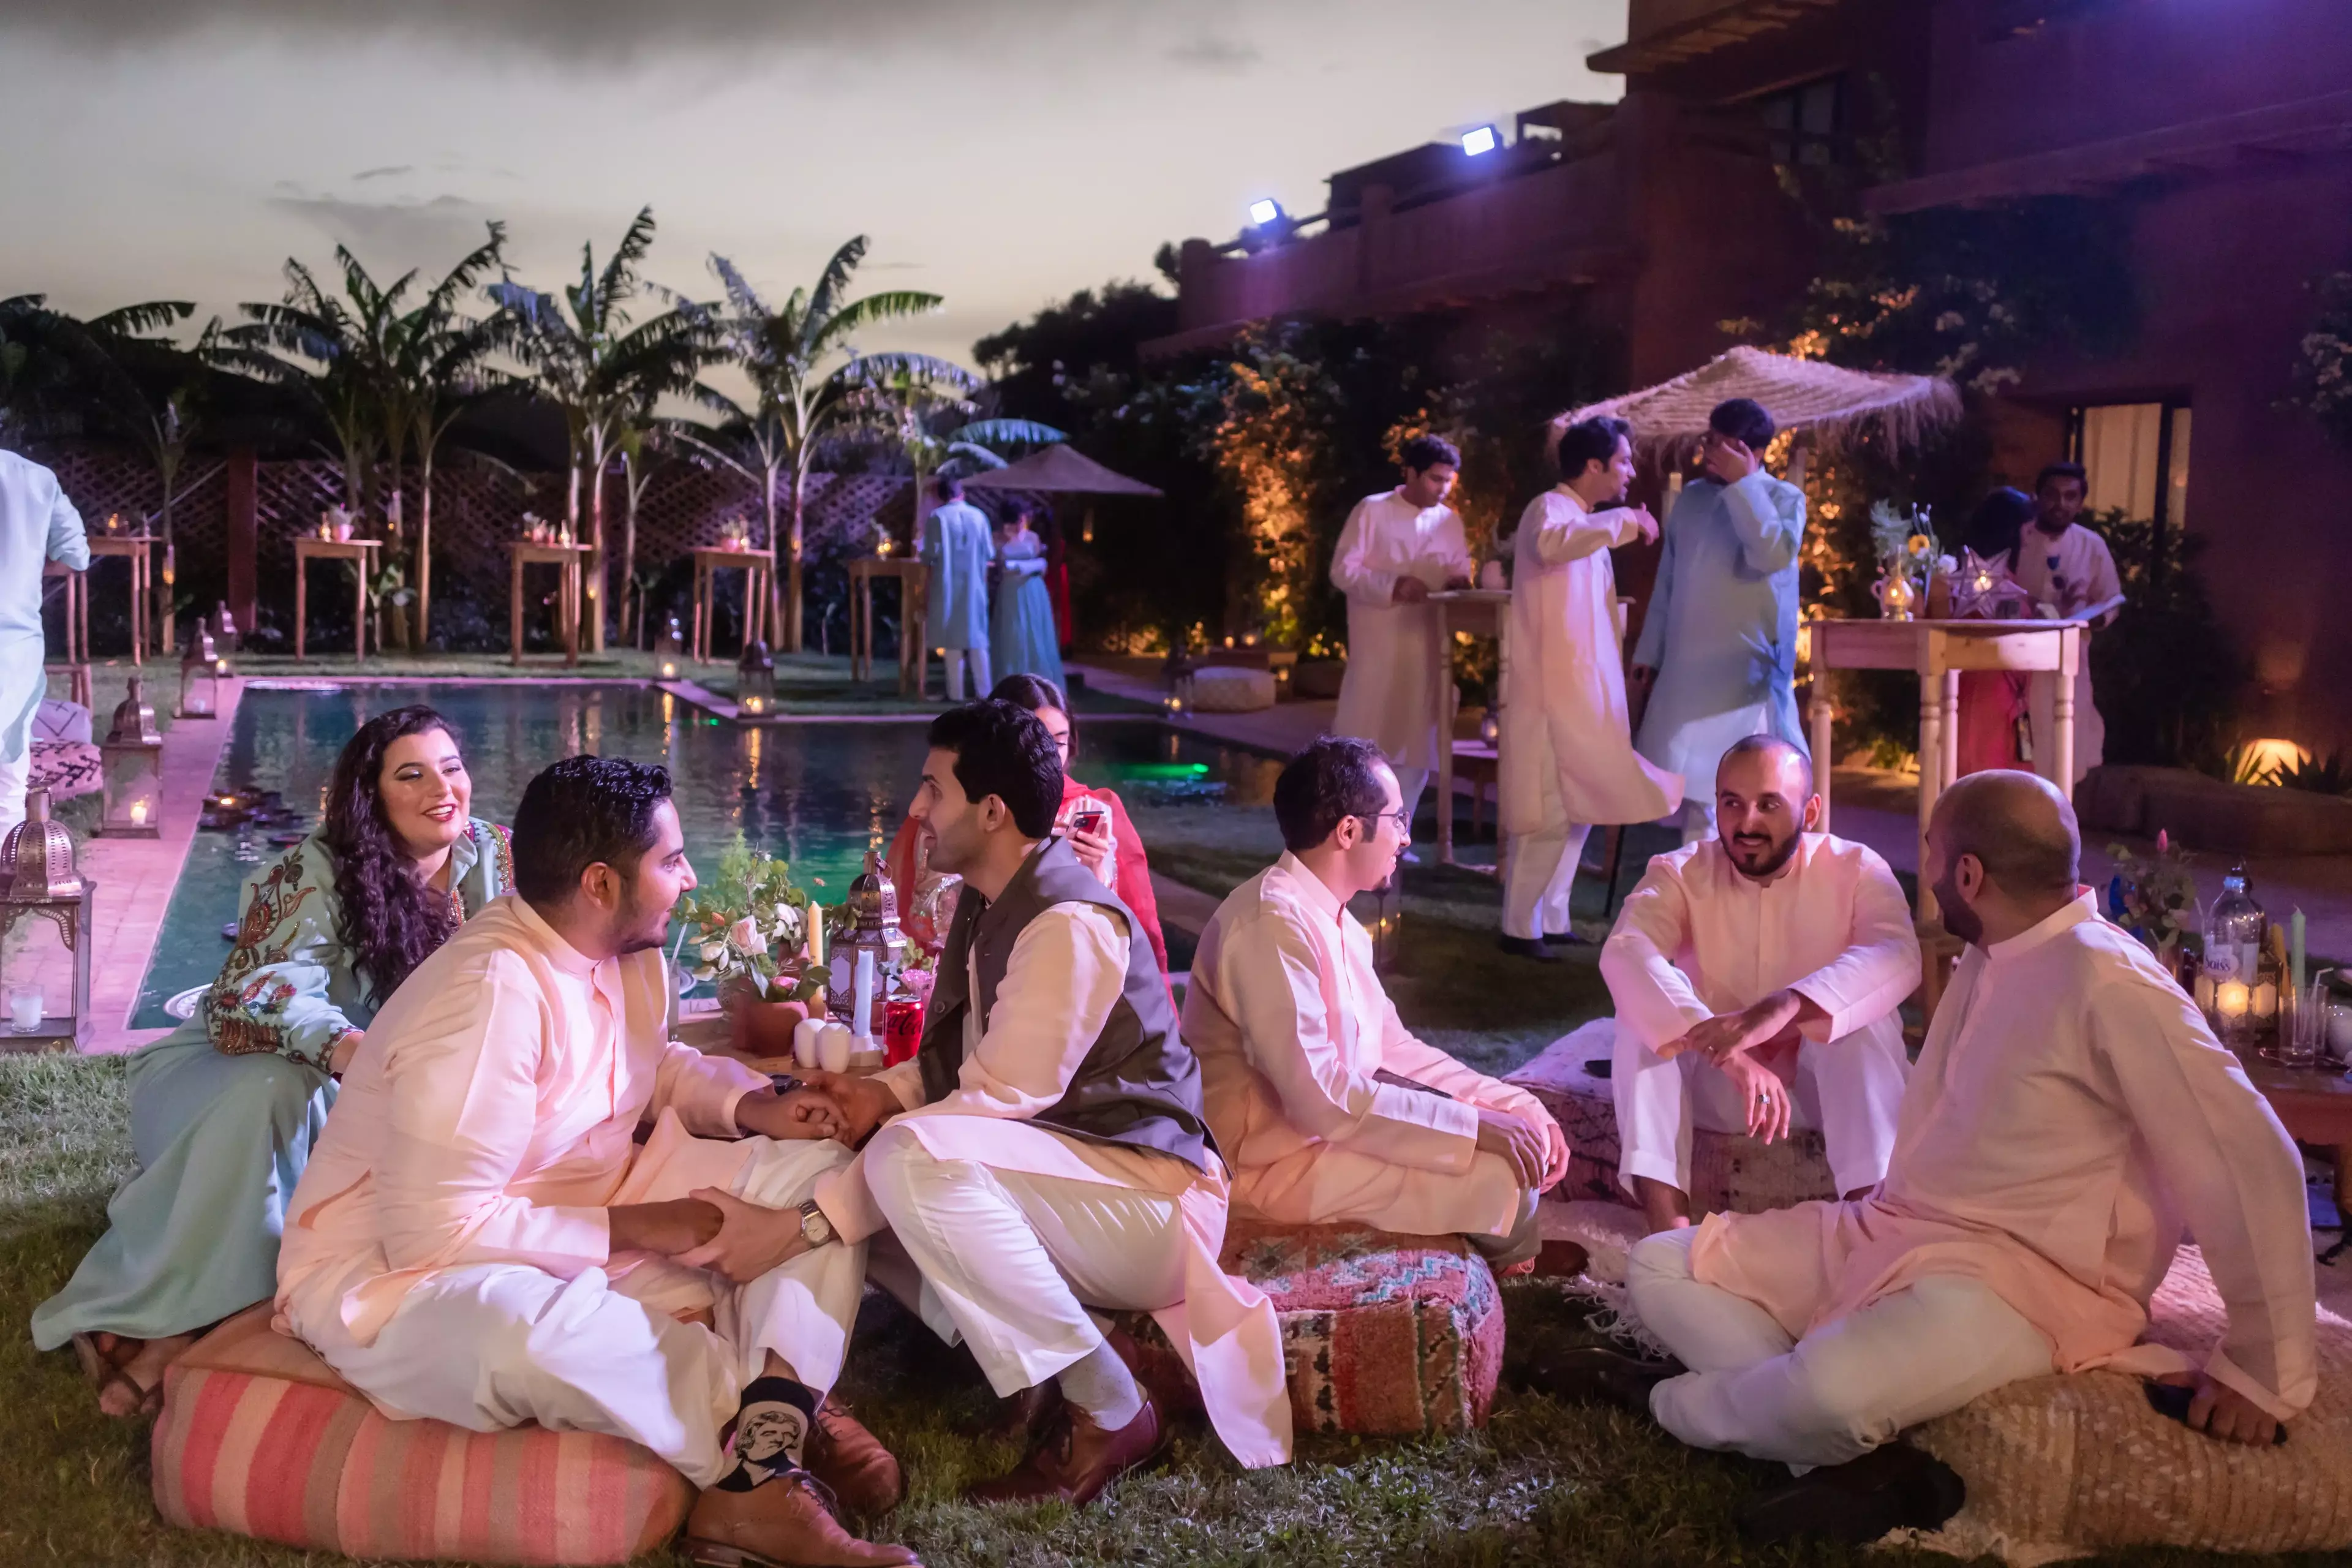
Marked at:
<point>1387,922</point>
<point>201,672</point>
<point>755,678</point>
<point>130,763</point>
<point>668,648</point>
<point>224,628</point>
<point>37,858</point>
<point>1179,673</point>
<point>874,912</point>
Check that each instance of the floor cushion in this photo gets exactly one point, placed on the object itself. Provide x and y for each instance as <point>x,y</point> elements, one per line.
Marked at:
<point>260,1437</point>
<point>1225,689</point>
<point>1382,1335</point>
<point>2066,1466</point>
<point>1729,1170</point>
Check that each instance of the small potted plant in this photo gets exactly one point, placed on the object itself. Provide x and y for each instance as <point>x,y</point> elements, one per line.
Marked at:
<point>2154,898</point>
<point>747,927</point>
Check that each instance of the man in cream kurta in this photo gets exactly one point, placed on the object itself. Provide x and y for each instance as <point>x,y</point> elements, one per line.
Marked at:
<point>2070,1116</point>
<point>1316,1090</point>
<point>2068,568</point>
<point>1397,549</point>
<point>38,525</point>
<point>1568,758</point>
<point>476,1239</point>
<point>1757,977</point>
<point>1044,1153</point>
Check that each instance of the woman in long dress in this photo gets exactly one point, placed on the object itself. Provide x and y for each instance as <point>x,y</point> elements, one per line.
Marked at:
<point>225,1109</point>
<point>1023,639</point>
<point>1993,702</point>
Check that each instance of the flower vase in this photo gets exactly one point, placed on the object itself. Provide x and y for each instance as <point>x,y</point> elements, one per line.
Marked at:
<point>757,1027</point>
<point>1898,596</point>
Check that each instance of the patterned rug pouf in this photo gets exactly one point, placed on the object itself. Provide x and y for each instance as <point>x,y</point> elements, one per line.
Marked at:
<point>1382,1335</point>
<point>1729,1170</point>
<point>260,1437</point>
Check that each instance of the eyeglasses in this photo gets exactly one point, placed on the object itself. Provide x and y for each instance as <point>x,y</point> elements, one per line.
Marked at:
<point>1403,820</point>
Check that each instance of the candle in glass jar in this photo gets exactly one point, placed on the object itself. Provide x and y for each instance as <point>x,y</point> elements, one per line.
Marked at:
<point>2231,999</point>
<point>138,813</point>
<point>2265,1000</point>
<point>23,1008</point>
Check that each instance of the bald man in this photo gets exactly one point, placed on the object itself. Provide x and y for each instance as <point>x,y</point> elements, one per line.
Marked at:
<point>1757,975</point>
<point>2071,1120</point>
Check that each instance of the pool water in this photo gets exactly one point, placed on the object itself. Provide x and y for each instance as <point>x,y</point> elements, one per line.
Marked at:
<point>816,795</point>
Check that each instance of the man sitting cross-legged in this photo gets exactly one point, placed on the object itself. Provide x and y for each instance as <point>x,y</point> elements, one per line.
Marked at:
<point>1315,1089</point>
<point>1756,976</point>
<point>477,1239</point>
<point>2070,1115</point>
<point>1045,1153</point>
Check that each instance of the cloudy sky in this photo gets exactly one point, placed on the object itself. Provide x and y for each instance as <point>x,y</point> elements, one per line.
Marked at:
<point>1001,153</point>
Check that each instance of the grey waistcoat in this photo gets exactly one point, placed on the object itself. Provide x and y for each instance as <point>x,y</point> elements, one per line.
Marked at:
<point>1141,1084</point>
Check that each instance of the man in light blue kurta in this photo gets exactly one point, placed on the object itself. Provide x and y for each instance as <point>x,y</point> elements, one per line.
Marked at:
<point>958,545</point>
<point>1718,644</point>
<point>38,525</point>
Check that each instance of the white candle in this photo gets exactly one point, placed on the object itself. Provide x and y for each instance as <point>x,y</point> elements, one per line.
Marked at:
<point>2231,999</point>
<point>138,813</point>
<point>23,1008</point>
<point>861,1009</point>
<point>832,1048</point>
<point>804,1042</point>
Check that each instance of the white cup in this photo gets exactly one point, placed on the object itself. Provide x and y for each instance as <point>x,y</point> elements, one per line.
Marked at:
<point>1490,576</point>
<point>832,1048</point>
<point>804,1042</point>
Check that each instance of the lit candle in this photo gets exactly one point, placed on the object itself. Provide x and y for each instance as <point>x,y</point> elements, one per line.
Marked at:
<point>670,670</point>
<point>138,813</point>
<point>2294,950</point>
<point>24,1009</point>
<point>2231,999</point>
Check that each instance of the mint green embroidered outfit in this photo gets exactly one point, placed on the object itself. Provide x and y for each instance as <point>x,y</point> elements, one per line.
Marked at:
<point>225,1109</point>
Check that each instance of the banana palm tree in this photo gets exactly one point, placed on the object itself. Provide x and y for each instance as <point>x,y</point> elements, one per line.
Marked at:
<point>806,374</point>
<point>599,367</point>
<point>935,426</point>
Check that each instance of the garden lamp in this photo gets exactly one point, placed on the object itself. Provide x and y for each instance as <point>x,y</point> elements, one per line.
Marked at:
<point>201,672</point>
<point>755,678</point>
<point>131,766</point>
<point>38,859</point>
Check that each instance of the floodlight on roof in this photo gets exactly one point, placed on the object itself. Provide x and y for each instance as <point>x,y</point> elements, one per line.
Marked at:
<point>1479,141</point>
<point>1264,210</point>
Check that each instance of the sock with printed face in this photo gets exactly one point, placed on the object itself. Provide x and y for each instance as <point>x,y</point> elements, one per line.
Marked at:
<point>771,1432</point>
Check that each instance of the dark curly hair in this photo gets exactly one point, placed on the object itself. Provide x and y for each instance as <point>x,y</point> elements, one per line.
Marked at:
<point>578,812</point>
<point>1001,750</point>
<point>391,920</point>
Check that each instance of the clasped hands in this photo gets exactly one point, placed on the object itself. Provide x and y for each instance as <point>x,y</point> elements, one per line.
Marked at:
<point>1745,1045</point>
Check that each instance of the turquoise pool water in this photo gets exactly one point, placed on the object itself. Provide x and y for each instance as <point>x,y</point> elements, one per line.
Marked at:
<point>816,795</point>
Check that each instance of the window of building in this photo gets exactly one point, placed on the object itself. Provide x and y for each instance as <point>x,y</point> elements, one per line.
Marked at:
<point>2138,457</point>
<point>1806,125</point>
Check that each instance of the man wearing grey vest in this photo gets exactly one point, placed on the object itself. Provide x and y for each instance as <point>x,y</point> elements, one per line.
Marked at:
<point>1046,1153</point>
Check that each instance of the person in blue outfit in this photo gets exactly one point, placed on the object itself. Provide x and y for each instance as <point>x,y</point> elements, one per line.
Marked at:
<point>38,525</point>
<point>957,548</point>
<point>225,1109</point>
<point>1023,639</point>
<point>1717,652</point>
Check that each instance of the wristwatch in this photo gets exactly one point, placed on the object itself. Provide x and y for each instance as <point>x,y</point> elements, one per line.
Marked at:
<point>815,1229</point>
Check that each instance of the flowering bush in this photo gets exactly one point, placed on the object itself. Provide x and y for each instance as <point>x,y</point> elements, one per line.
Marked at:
<point>2323,384</point>
<point>2154,899</point>
<point>750,921</point>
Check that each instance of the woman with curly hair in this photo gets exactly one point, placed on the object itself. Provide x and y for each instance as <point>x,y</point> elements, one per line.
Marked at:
<point>224,1111</point>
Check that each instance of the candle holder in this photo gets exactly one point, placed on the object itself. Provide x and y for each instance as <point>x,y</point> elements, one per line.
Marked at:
<point>37,858</point>
<point>755,678</point>
<point>130,765</point>
<point>202,671</point>
<point>874,915</point>
<point>668,648</point>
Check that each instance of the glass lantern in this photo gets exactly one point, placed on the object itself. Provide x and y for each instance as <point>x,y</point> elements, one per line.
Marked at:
<point>755,678</point>
<point>37,858</point>
<point>1178,702</point>
<point>202,671</point>
<point>130,765</point>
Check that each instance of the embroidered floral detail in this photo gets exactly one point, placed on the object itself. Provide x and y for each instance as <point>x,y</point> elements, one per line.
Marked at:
<point>231,1006</point>
<point>505,843</point>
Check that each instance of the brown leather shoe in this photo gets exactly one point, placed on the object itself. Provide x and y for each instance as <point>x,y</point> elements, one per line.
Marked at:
<point>1560,1258</point>
<point>1019,1417</point>
<point>853,1462</point>
<point>1074,1458</point>
<point>783,1522</point>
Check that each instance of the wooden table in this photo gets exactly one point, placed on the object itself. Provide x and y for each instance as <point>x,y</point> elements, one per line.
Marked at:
<point>757,565</point>
<point>137,549</point>
<point>75,616</point>
<point>309,548</point>
<point>1481,612</point>
<point>2315,1106</point>
<point>914,596</point>
<point>567,559</point>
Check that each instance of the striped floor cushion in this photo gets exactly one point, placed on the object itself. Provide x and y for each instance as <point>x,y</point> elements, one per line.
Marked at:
<point>1382,1334</point>
<point>260,1437</point>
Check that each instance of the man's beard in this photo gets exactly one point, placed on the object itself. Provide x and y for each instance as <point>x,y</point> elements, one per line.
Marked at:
<point>1958,919</point>
<point>1783,853</point>
<point>638,930</point>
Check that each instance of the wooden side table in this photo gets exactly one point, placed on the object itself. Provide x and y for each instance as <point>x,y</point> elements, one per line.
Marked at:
<point>1481,612</point>
<point>567,559</point>
<point>757,565</point>
<point>137,549</point>
<point>914,596</point>
<point>309,548</point>
<point>76,609</point>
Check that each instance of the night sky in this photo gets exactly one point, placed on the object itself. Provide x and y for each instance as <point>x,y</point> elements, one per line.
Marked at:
<point>1000,154</point>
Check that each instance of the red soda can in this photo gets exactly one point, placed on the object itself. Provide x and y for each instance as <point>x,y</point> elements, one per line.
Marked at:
<point>902,1029</point>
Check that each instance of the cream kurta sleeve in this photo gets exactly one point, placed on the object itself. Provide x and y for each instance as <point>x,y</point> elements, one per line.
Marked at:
<point>1880,966</point>
<point>1570,533</point>
<point>1351,572</point>
<point>703,1089</point>
<point>1271,974</point>
<point>459,1086</point>
<point>1652,996</point>
<point>2235,1177</point>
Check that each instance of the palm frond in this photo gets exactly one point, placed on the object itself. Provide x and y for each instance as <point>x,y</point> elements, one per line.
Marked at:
<point>137,321</point>
<point>895,305</point>
<point>1009,433</point>
<point>833,280</point>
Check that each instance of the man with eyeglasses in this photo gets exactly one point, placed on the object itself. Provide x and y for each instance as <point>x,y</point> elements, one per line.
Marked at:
<point>1325,1107</point>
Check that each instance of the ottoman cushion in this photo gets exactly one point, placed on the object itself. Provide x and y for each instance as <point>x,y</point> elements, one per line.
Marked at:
<point>1223,688</point>
<point>260,1437</point>
<point>1382,1335</point>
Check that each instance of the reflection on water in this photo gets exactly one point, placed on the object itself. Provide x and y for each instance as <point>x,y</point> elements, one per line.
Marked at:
<point>817,794</point>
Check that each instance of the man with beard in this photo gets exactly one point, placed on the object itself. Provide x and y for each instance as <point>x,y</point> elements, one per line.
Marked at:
<point>2072,1121</point>
<point>2068,568</point>
<point>1046,1153</point>
<point>477,1238</point>
<point>1756,977</point>
<point>1568,758</point>
<point>1319,1095</point>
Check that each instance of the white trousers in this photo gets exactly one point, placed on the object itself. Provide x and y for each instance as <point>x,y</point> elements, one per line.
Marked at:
<point>1851,1090</point>
<point>956,660</point>
<point>13,779</point>
<point>1538,874</point>
<point>495,1345</point>
<point>1011,1262</point>
<point>1841,1390</point>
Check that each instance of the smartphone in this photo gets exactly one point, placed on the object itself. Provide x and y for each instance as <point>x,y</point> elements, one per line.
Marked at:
<point>1088,819</point>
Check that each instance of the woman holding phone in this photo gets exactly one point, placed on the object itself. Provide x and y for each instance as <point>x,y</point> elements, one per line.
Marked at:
<point>1091,818</point>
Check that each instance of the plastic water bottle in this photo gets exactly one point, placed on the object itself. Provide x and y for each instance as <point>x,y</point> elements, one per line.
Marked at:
<point>2234,952</point>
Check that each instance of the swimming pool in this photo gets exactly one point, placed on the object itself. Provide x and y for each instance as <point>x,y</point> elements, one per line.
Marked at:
<point>816,795</point>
